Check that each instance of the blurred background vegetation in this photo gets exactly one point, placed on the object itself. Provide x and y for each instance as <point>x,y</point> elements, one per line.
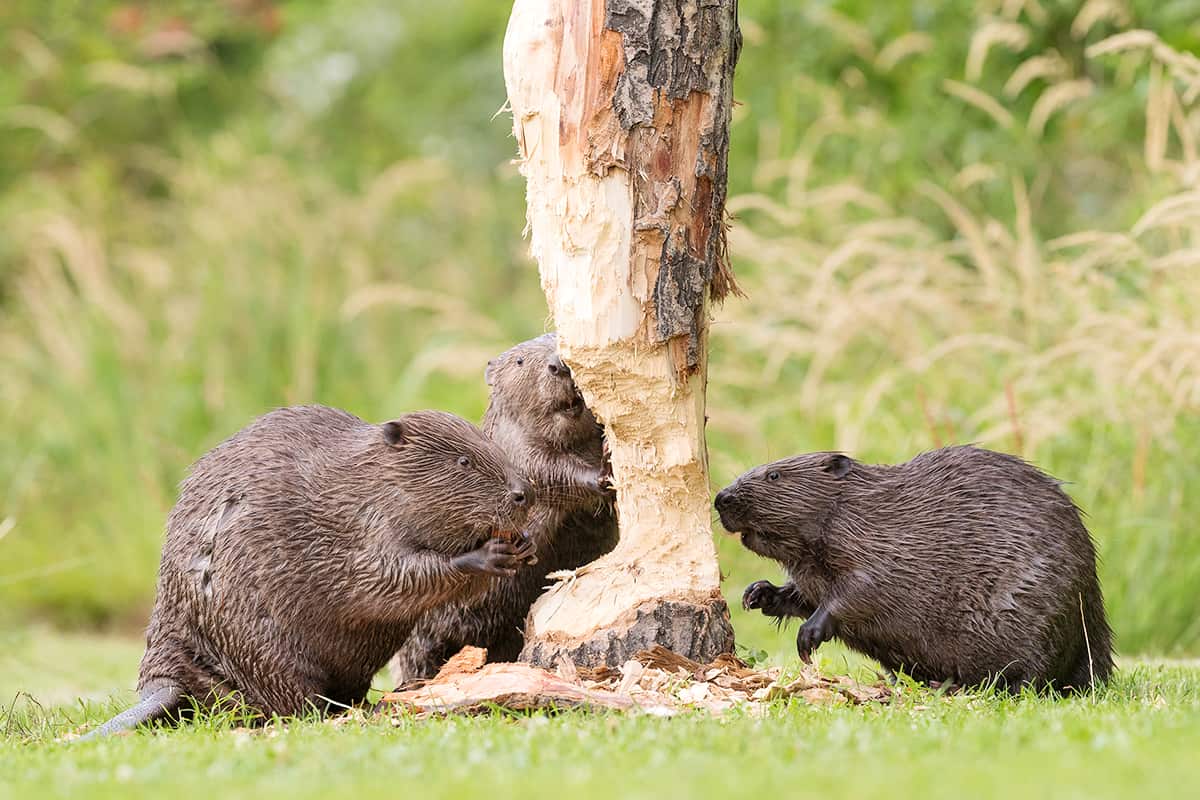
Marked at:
<point>955,220</point>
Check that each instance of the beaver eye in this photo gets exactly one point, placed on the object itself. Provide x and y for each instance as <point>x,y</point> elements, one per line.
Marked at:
<point>520,362</point>
<point>463,461</point>
<point>773,475</point>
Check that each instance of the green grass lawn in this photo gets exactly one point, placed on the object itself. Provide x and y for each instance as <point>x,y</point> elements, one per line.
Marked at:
<point>1140,736</point>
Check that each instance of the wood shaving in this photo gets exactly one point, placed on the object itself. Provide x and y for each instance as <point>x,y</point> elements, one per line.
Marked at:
<point>655,681</point>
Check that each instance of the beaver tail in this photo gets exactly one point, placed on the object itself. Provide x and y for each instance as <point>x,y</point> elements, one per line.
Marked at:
<point>161,702</point>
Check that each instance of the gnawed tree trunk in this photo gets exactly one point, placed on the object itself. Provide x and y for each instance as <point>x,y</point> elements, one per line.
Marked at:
<point>621,112</point>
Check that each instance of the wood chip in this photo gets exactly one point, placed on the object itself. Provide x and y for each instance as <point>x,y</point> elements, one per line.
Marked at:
<point>469,659</point>
<point>566,669</point>
<point>655,681</point>
<point>513,686</point>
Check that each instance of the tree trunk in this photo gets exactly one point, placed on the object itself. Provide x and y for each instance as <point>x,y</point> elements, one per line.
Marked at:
<point>621,114</point>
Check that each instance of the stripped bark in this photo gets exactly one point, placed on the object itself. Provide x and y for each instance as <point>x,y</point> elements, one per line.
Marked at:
<point>621,112</point>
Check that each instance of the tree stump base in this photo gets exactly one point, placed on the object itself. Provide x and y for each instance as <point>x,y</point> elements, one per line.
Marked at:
<point>703,631</point>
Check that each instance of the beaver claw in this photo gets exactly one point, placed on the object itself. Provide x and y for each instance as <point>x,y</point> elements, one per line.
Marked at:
<point>528,547</point>
<point>760,594</point>
<point>499,557</point>
<point>816,630</point>
<point>599,482</point>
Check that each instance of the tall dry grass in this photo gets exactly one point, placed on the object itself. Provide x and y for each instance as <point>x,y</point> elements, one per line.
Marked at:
<point>877,332</point>
<point>134,345</point>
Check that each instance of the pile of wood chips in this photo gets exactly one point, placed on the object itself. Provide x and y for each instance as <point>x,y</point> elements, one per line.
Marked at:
<point>656,681</point>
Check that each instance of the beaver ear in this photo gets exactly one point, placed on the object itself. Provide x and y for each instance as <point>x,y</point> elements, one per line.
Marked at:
<point>489,372</point>
<point>838,465</point>
<point>393,433</point>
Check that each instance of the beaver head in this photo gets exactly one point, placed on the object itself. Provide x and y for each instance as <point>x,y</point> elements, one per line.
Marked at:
<point>446,478</point>
<point>780,507</point>
<point>530,383</point>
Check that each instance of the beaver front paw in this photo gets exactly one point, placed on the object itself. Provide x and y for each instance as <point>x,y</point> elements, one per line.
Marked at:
<point>816,630</point>
<point>499,557</point>
<point>761,594</point>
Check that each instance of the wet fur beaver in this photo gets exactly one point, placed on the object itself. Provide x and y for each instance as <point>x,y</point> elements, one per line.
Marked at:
<point>962,564</point>
<point>302,550</point>
<point>538,418</point>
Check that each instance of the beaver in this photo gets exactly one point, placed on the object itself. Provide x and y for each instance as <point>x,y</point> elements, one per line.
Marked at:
<point>302,549</point>
<point>962,564</point>
<point>538,418</point>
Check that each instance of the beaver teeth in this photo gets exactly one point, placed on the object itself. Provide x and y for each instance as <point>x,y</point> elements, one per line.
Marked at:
<point>575,407</point>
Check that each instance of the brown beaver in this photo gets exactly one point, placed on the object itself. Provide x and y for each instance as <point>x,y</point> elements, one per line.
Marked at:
<point>302,549</point>
<point>538,418</point>
<point>962,564</point>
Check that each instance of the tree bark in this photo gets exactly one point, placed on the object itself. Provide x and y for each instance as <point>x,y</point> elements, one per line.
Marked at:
<point>621,113</point>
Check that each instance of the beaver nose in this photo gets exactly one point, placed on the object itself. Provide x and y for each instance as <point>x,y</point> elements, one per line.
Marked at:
<point>520,493</point>
<point>557,367</point>
<point>722,500</point>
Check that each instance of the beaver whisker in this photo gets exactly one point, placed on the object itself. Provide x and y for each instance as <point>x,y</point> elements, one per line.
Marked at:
<point>568,489</point>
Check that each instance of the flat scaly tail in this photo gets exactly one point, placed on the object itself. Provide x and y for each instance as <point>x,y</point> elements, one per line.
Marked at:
<point>155,705</point>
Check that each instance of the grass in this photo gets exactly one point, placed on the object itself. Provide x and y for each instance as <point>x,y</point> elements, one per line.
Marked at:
<point>1138,736</point>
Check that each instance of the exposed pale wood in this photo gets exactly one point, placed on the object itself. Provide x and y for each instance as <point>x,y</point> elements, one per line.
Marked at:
<point>621,115</point>
<point>513,686</point>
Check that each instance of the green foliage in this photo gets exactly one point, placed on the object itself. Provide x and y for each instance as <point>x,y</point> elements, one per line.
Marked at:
<point>208,209</point>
